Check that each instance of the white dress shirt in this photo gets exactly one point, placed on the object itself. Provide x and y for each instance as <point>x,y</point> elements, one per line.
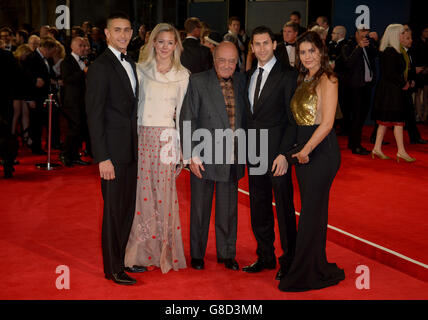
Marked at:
<point>266,70</point>
<point>82,65</point>
<point>127,66</point>
<point>291,51</point>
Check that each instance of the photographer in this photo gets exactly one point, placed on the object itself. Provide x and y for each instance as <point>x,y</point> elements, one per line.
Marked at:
<point>359,56</point>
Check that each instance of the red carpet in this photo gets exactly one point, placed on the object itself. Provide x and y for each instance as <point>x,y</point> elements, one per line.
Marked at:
<point>54,218</point>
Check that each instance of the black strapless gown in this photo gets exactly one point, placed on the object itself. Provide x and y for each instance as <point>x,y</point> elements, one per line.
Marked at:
<point>309,268</point>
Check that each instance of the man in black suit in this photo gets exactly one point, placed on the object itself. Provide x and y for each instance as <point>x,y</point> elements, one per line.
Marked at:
<point>285,51</point>
<point>270,88</point>
<point>359,56</point>
<point>73,74</point>
<point>195,56</point>
<point>322,21</point>
<point>296,17</point>
<point>41,74</point>
<point>111,106</point>
<point>215,100</point>
<point>336,58</point>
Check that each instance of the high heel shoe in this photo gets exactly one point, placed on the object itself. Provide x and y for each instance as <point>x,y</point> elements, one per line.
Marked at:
<point>405,158</point>
<point>379,155</point>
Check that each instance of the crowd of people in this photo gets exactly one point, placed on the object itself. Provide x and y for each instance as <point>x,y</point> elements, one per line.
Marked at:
<point>297,87</point>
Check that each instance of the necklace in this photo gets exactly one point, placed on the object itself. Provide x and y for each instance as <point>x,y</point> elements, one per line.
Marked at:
<point>307,79</point>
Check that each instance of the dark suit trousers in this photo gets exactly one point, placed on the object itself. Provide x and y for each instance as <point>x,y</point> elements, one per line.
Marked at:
<point>262,217</point>
<point>119,209</point>
<point>410,123</point>
<point>226,215</point>
<point>358,99</point>
<point>38,119</point>
<point>75,134</point>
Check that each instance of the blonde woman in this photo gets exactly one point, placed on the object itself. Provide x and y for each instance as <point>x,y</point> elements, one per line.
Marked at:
<point>389,104</point>
<point>155,239</point>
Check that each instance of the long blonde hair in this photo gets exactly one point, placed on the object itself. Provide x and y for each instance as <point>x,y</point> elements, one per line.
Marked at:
<point>391,37</point>
<point>148,55</point>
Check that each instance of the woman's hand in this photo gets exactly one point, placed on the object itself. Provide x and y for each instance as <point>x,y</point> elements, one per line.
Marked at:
<point>302,156</point>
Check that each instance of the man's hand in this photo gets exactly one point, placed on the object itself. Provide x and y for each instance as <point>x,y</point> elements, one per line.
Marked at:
<point>279,166</point>
<point>195,166</point>
<point>106,170</point>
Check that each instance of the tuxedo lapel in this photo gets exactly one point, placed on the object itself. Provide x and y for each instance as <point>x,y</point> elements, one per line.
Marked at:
<point>247,88</point>
<point>239,108</point>
<point>214,89</point>
<point>268,87</point>
<point>123,75</point>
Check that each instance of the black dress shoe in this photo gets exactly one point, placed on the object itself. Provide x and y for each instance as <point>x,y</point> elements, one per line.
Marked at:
<point>361,151</point>
<point>65,161</point>
<point>197,264</point>
<point>419,141</point>
<point>258,266</point>
<point>81,162</point>
<point>121,278</point>
<point>136,269</point>
<point>229,263</point>
<point>39,152</point>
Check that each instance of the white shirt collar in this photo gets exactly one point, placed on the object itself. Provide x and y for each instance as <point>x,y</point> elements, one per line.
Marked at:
<point>41,54</point>
<point>75,56</point>
<point>116,52</point>
<point>268,66</point>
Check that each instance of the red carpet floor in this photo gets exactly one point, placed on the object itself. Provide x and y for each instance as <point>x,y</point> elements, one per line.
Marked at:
<point>54,218</point>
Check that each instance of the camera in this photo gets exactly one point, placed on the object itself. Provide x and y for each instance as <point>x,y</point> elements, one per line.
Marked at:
<point>370,39</point>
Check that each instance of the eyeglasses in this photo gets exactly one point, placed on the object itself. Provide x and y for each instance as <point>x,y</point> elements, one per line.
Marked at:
<point>224,61</point>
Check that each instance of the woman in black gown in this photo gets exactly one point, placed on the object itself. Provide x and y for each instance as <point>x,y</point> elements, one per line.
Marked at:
<point>313,107</point>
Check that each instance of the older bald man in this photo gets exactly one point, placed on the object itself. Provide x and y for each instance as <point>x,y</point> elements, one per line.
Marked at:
<point>214,101</point>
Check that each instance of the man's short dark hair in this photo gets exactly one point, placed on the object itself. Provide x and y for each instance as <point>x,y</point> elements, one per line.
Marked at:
<point>262,30</point>
<point>324,19</point>
<point>191,24</point>
<point>118,15</point>
<point>292,25</point>
<point>48,42</point>
<point>7,29</point>
<point>296,13</point>
<point>231,19</point>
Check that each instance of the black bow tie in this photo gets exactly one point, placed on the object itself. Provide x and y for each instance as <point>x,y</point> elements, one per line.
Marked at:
<point>82,59</point>
<point>125,56</point>
<point>290,44</point>
<point>227,79</point>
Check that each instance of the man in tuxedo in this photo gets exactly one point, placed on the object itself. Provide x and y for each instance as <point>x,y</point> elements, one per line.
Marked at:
<point>270,88</point>
<point>285,51</point>
<point>111,106</point>
<point>195,56</point>
<point>233,35</point>
<point>6,34</point>
<point>41,73</point>
<point>73,74</point>
<point>359,56</point>
<point>215,100</point>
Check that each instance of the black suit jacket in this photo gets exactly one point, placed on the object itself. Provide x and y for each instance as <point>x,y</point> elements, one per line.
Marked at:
<point>111,108</point>
<point>204,107</point>
<point>282,55</point>
<point>335,54</point>
<point>37,68</point>
<point>195,56</point>
<point>74,85</point>
<point>354,63</point>
<point>273,112</point>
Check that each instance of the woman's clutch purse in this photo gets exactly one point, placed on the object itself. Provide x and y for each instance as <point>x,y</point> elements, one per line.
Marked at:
<point>289,154</point>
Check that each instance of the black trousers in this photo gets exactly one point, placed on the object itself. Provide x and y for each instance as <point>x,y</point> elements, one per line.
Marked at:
<point>262,217</point>
<point>410,122</point>
<point>119,209</point>
<point>358,99</point>
<point>226,215</point>
<point>75,133</point>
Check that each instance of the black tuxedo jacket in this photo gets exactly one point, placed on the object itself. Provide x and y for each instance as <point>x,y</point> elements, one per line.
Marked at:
<point>354,62</point>
<point>335,54</point>
<point>37,68</point>
<point>74,84</point>
<point>195,56</point>
<point>273,112</point>
<point>282,55</point>
<point>111,108</point>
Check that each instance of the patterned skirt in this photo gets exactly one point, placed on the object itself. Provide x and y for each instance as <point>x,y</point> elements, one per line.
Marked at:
<point>155,238</point>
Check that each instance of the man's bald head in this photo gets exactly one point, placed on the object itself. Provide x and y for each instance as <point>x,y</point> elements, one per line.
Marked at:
<point>225,59</point>
<point>78,46</point>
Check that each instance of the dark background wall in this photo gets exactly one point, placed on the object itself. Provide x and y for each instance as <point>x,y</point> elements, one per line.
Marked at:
<point>16,13</point>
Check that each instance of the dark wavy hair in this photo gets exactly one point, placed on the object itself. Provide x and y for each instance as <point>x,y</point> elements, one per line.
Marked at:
<point>325,68</point>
